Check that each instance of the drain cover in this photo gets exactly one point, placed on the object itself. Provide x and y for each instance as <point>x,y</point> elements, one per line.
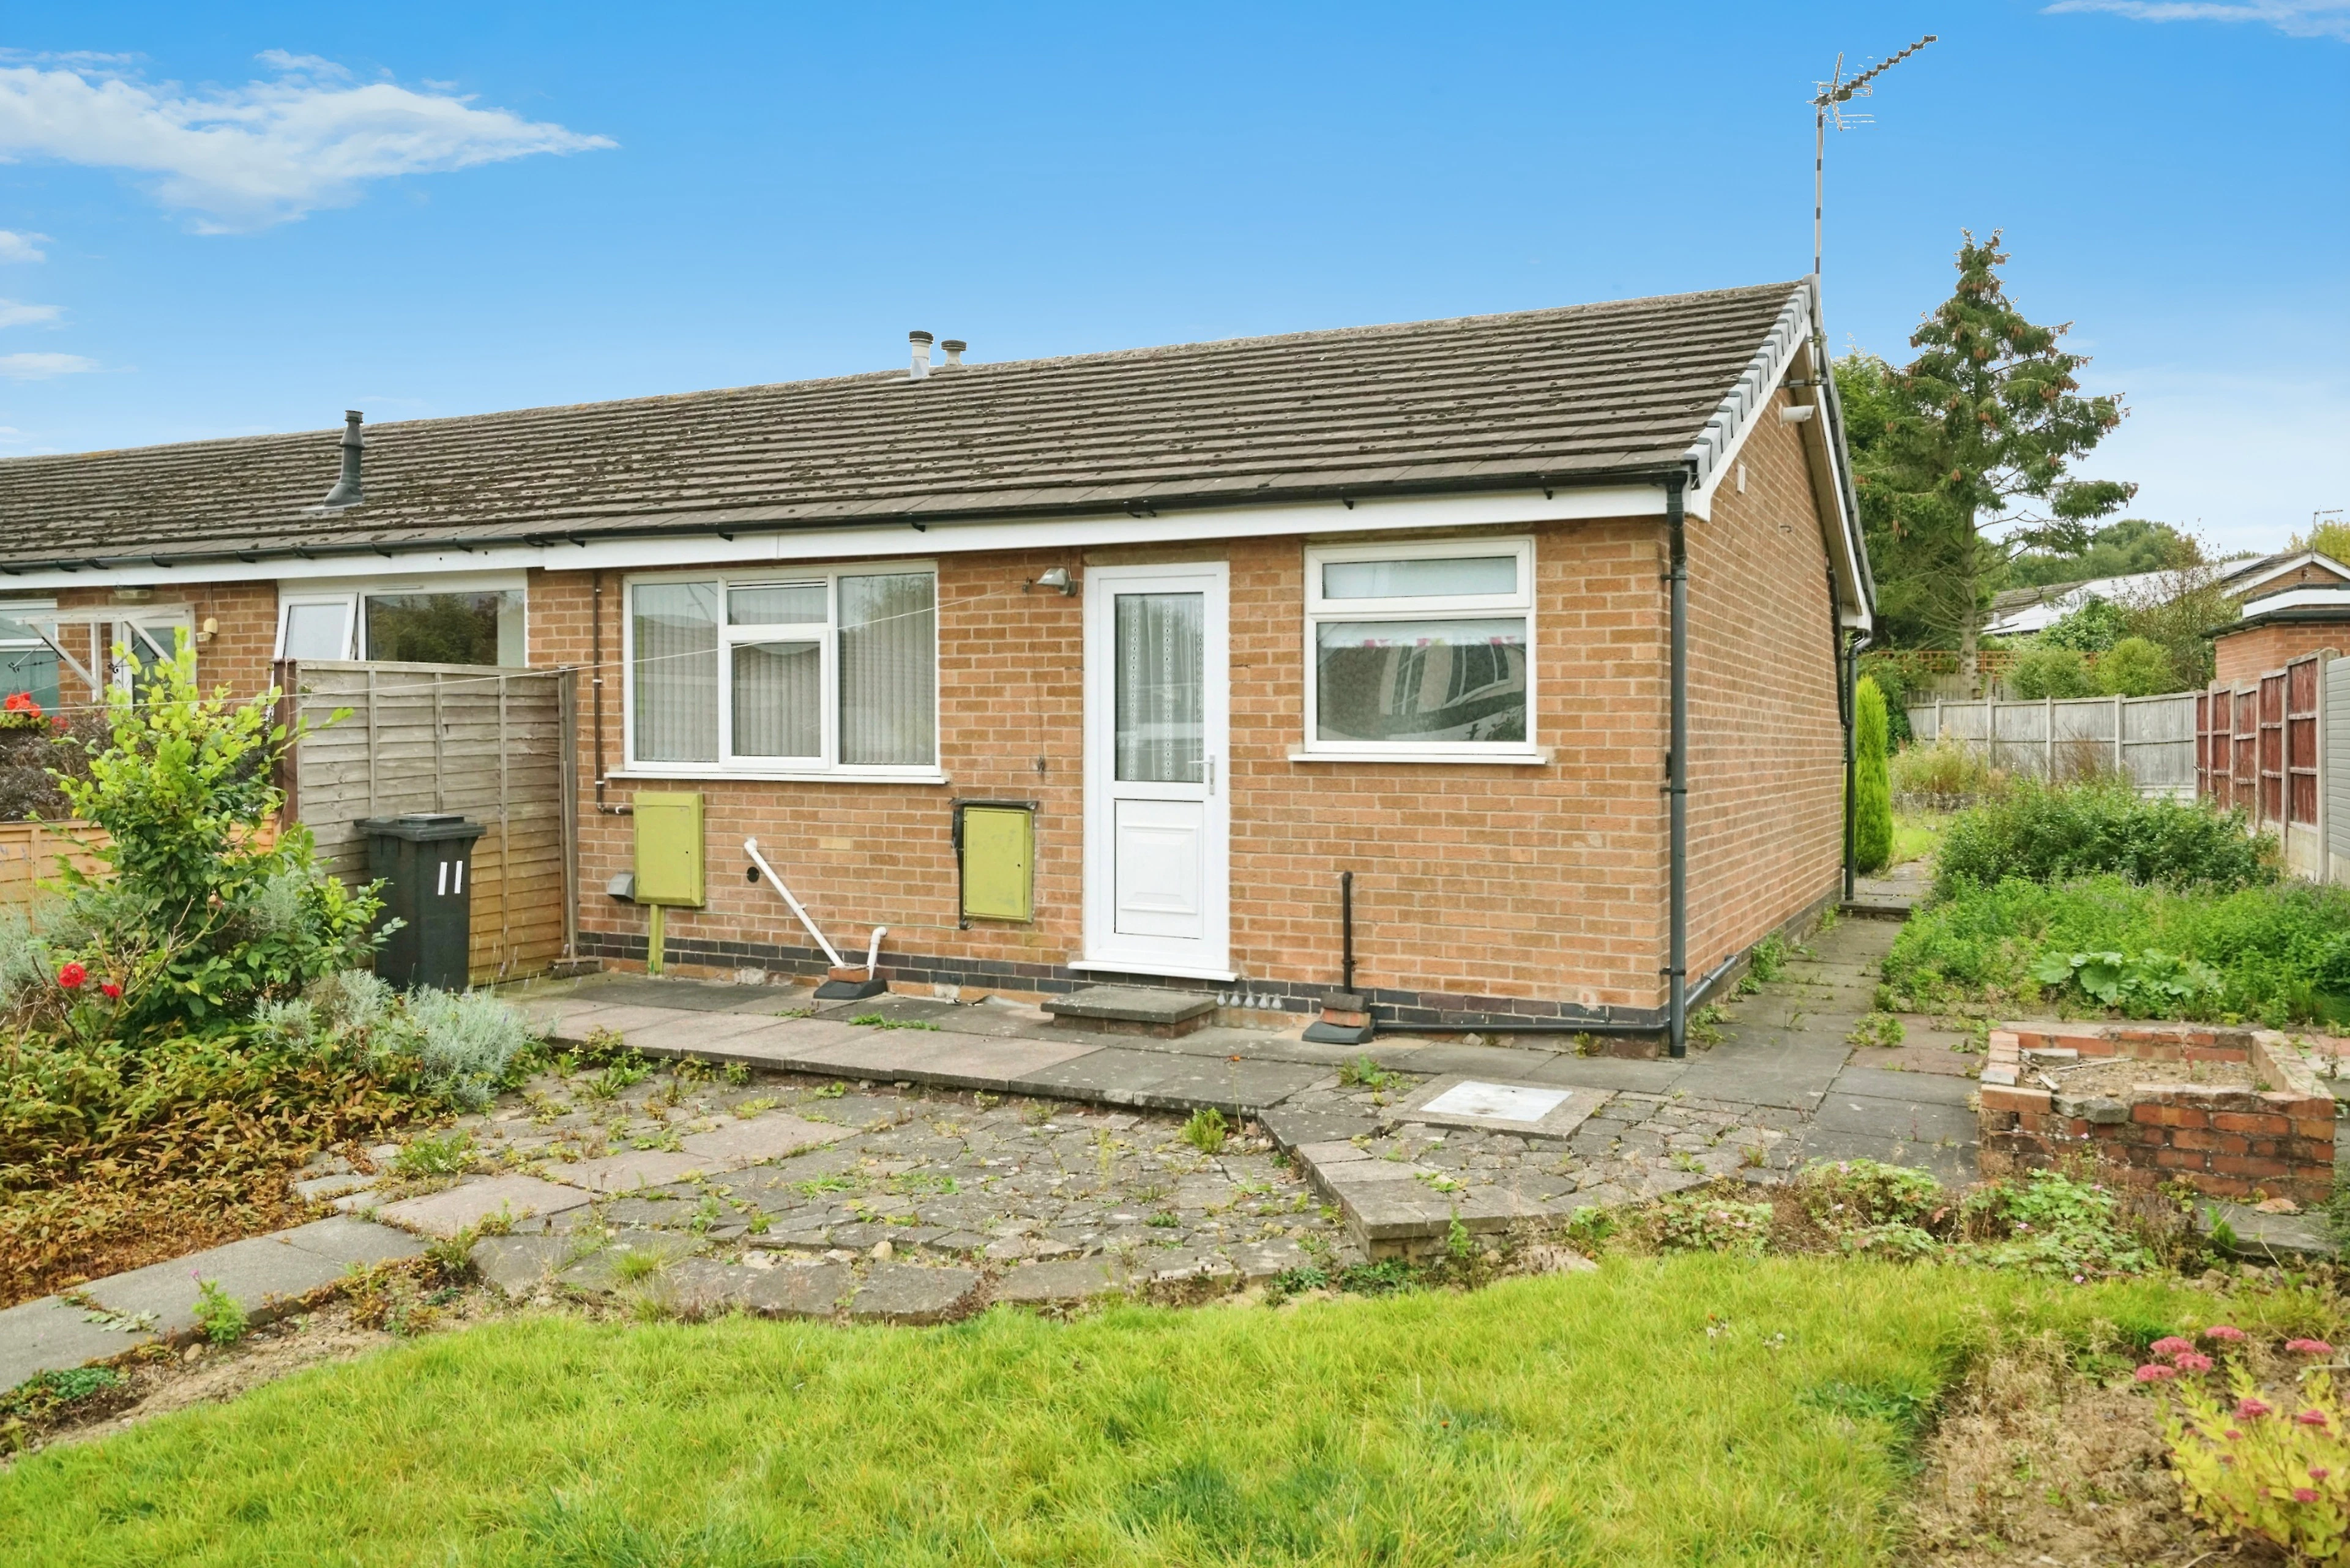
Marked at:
<point>1497,1101</point>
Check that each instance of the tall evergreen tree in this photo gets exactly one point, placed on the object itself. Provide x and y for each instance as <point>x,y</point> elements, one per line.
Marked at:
<point>1964,457</point>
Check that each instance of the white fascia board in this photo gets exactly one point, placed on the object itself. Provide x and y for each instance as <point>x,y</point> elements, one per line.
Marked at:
<point>2291,564</point>
<point>1714,455</point>
<point>1498,507</point>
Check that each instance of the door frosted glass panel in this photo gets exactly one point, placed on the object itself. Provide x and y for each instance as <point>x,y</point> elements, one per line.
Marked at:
<point>1161,689</point>
<point>778,700</point>
<point>889,669</point>
<point>317,631</point>
<point>675,628</point>
<point>1421,680</point>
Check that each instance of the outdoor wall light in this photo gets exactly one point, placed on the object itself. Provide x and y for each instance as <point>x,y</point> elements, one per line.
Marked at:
<point>1056,578</point>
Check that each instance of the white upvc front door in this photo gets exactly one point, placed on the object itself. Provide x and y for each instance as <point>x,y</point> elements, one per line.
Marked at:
<point>1158,818</point>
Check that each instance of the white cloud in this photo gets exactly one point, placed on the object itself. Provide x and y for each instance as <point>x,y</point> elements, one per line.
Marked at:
<point>41,366</point>
<point>13,313</point>
<point>20,247</point>
<point>2300,18</point>
<point>244,158</point>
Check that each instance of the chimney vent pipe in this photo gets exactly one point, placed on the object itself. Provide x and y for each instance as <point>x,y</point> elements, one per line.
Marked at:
<point>922,346</point>
<point>953,348</point>
<point>347,491</point>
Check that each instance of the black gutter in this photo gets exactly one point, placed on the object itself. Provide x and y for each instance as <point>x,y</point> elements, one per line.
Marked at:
<point>1677,780</point>
<point>544,536</point>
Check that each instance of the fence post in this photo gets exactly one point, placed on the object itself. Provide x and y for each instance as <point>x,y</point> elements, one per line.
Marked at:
<point>1939,730</point>
<point>2121,768</point>
<point>2048,738</point>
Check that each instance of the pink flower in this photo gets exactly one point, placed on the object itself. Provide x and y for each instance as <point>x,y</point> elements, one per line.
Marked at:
<point>72,976</point>
<point>2221,1332</point>
<point>2191,1361</point>
<point>2318,1472</point>
<point>2312,1418</point>
<point>2232,1436</point>
<point>2304,1494</point>
<point>2251,1410</point>
<point>113,991</point>
<point>2155,1371</point>
<point>2170,1344</point>
<point>2309,1348</point>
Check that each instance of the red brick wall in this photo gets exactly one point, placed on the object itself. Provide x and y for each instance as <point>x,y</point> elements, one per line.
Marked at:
<point>2241,658</point>
<point>1543,881</point>
<point>1766,742</point>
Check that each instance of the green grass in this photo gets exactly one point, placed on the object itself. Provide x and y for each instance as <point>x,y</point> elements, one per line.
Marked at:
<point>1689,1409</point>
<point>1917,833</point>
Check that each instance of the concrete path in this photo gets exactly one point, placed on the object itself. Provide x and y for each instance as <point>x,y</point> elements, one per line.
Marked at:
<point>995,1154</point>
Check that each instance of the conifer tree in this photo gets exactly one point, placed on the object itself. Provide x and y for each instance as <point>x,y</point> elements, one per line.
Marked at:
<point>1963,456</point>
<point>1872,781</point>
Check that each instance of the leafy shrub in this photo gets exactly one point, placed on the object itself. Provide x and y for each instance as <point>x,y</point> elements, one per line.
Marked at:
<point>1893,678</point>
<point>2096,627</point>
<point>2050,1223</point>
<point>2251,1469</point>
<point>2283,952</point>
<point>2153,983</point>
<point>2049,672</point>
<point>466,1042</point>
<point>32,757</point>
<point>1946,768</point>
<point>1872,817</point>
<point>2134,668</point>
<point>1694,1223</point>
<point>198,920</point>
<point>2049,835</point>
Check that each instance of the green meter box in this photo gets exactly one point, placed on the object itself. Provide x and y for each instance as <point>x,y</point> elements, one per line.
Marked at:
<point>996,841</point>
<point>669,857</point>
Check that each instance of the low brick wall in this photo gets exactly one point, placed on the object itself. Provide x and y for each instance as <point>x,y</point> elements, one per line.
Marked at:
<point>2229,1142</point>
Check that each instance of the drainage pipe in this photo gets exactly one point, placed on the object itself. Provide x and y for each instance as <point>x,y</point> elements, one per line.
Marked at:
<point>751,847</point>
<point>1849,693</point>
<point>1677,780</point>
<point>595,687</point>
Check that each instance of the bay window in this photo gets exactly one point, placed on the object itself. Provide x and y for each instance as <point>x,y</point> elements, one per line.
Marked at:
<point>784,672</point>
<point>1420,651</point>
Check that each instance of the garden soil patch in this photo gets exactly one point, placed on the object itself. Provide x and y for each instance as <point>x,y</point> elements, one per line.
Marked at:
<point>53,1239</point>
<point>2034,1462</point>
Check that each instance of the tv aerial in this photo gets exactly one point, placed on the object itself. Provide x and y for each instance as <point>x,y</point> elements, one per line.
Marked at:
<point>1829,105</point>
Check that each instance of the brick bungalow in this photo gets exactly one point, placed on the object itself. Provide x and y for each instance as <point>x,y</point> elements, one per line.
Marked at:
<point>2278,629</point>
<point>1234,618</point>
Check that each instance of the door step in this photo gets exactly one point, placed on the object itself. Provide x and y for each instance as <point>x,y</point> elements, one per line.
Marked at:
<point>1132,1010</point>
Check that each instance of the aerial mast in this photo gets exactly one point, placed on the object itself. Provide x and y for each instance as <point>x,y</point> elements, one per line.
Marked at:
<point>1829,105</point>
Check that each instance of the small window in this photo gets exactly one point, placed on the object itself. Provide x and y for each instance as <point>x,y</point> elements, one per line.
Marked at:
<point>1420,650</point>
<point>835,672</point>
<point>27,662</point>
<point>445,627</point>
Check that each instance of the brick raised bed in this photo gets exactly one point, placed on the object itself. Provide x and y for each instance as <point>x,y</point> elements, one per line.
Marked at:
<point>2227,1142</point>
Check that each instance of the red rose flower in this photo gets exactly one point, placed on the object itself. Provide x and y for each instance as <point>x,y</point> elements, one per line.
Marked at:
<point>72,976</point>
<point>113,991</point>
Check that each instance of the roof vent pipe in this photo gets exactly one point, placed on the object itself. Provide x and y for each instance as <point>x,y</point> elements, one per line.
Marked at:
<point>953,348</point>
<point>922,343</point>
<point>347,491</point>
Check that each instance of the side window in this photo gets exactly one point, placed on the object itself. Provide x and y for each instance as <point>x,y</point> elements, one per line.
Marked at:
<point>1421,648</point>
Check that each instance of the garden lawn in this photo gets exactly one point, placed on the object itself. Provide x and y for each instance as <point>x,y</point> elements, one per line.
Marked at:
<point>1689,1409</point>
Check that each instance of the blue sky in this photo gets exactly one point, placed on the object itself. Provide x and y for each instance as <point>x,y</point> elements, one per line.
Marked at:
<point>223,219</point>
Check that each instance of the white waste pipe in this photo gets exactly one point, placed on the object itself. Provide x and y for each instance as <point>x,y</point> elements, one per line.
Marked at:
<point>751,847</point>
<point>873,948</point>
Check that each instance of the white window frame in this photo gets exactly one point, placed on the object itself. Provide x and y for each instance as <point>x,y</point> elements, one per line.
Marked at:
<point>352,594</point>
<point>287,602</point>
<point>827,640</point>
<point>1321,607</point>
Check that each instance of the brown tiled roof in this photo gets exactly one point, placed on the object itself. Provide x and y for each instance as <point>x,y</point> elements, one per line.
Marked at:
<point>1570,395</point>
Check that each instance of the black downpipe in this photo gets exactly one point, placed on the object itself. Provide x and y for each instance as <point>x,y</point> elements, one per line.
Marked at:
<point>1347,932</point>
<point>1848,690</point>
<point>1677,781</point>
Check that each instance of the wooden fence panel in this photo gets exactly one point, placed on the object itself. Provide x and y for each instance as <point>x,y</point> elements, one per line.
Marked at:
<point>2153,741</point>
<point>495,746</point>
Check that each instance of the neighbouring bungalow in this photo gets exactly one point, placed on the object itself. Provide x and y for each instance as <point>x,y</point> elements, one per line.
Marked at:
<point>1226,620</point>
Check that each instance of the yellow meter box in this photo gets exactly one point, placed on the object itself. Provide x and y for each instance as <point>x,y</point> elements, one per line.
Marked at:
<point>998,843</point>
<point>670,855</point>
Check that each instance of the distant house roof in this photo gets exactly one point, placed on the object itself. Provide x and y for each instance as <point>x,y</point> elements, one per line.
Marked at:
<point>1587,394</point>
<point>2016,612</point>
